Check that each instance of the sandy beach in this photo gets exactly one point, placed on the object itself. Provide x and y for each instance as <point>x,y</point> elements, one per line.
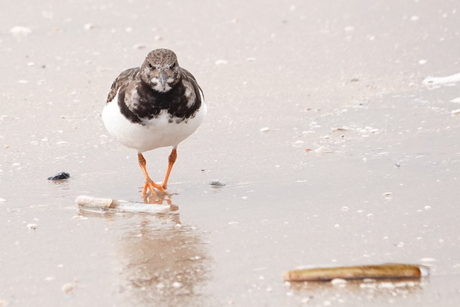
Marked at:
<point>334,125</point>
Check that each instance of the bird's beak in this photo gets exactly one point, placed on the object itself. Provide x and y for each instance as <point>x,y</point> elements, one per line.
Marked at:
<point>163,76</point>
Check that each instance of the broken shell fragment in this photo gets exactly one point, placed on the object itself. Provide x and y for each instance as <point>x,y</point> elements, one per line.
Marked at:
<point>107,204</point>
<point>323,150</point>
<point>94,202</point>
<point>389,270</point>
<point>339,129</point>
<point>264,129</point>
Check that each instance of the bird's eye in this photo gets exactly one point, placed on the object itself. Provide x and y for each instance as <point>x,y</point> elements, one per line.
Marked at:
<point>151,66</point>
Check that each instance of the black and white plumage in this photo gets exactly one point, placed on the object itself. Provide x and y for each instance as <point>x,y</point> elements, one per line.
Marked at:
<point>159,104</point>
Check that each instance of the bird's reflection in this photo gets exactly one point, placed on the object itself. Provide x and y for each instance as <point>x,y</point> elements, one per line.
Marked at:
<point>160,199</point>
<point>160,261</point>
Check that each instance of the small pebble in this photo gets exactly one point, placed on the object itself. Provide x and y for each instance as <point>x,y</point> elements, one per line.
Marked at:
<point>60,176</point>
<point>32,226</point>
<point>67,288</point>
<point>339,129</point>
<point>221,62</point>
<point>264,129</point>
<point>217,183</point>
<point>298,142</point>
<point>139,46</point>
<point>88,26</point>
<point>388,195</point>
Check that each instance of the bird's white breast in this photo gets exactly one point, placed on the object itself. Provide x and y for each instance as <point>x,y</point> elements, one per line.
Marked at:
<point>154,133</point>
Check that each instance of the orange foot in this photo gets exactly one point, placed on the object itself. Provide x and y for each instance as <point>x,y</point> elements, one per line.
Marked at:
<point>150,185</point>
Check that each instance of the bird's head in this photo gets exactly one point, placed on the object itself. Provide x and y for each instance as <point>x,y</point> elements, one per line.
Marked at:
<point>160,70</point>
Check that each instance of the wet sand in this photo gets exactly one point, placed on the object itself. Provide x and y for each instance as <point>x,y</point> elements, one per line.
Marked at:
<point>359,164</point>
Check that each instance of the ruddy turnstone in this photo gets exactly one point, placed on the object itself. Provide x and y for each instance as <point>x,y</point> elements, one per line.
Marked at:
<point>159,104</point>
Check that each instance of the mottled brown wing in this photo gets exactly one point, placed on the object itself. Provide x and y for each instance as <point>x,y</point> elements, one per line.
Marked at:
<point>190,78</point>
<point>126,76</point>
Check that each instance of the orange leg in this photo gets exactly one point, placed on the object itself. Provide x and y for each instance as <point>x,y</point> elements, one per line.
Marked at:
<point>172,159</point>
<point>149,184</point>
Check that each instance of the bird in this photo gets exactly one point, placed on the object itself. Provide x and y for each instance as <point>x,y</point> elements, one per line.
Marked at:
<point>158,104</point>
